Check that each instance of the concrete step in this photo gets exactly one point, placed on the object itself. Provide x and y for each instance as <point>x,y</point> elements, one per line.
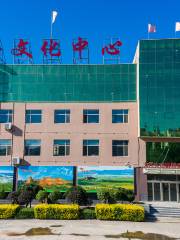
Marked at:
<point>158,211</point>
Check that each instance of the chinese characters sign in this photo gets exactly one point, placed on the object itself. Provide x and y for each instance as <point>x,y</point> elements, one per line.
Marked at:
<point>111,51</point>
<point>51,51</point>
<point>80,51</point>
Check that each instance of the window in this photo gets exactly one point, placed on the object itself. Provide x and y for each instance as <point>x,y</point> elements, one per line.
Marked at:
<point>5,147</point>
<point>62,116</point>
<point>61,147</point>
<point>90,147</point>
<point>33,116</point>
<point>119,148</point>
<point>120,116</point>
<point>6,116</point>
<point>32,147</point>
<point>90,116</point>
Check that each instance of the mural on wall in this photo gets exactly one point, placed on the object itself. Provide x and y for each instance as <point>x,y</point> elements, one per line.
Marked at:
<point>6,178</point>
<point>94,177</point>
<point>61,177</point>
<point>49,177</point>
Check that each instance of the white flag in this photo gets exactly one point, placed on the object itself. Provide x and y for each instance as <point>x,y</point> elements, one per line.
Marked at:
<point>54,15</point>
<point>177,27</point>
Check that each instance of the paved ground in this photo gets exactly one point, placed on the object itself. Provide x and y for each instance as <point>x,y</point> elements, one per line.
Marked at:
<point>85,229</point>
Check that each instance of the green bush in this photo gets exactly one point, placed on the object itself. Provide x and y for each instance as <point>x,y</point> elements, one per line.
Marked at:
<point>106,195</point>
<point>123,194</point>
<point>25,213</point>
<point>77,195</point>
<point>33,187</point>
<point>3,194</point>
<point>54,196</point>
<point>42,196</point>
<point>8,210</point>
<point>56,211</point>
<point>122,212</point>
<point>87,213</point>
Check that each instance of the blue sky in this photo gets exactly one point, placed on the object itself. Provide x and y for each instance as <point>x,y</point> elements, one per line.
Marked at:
<point>93,19</point>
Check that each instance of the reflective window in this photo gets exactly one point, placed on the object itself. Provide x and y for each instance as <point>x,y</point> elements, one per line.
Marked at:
<point>62,116</point>
<point>91,116</point>
<point>90,147</point>
<point>159,88</point>
<point>61,147</point>
<point>6,116</point>
<point>32,147</point>
<point>119,148</point>
<point>120,116</point>
<point>33,116</point>
<point>5,147</point>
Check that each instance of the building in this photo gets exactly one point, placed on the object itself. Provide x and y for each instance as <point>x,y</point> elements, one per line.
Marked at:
<point>98,115</point>
<point>158,67</point>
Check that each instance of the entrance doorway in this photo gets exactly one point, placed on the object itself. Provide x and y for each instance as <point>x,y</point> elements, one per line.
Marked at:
<point>163,191</point>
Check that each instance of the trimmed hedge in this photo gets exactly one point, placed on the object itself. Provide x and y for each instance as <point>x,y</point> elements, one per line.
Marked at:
<point>56,211</point>
<point>122,212</point>
<point>8,210</point>
<point>25,213</point>
<point>87,213</point>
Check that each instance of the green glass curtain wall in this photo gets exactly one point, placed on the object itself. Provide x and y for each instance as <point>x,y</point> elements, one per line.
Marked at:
<point>159,87</point>
<point>68,83</point>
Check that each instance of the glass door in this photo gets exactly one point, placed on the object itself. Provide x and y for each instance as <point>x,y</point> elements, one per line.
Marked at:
<point>157,192</point>
<point>173,192</point>
<point>165,191</point>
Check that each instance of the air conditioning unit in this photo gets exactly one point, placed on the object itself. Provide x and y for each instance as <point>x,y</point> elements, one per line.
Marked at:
<point>8,126</point>
<point>16,161</point>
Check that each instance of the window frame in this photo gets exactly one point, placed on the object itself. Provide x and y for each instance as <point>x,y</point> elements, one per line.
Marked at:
<point>8,147</point>
<point>31,147</point>
<point>86,147</point>
<point>125,148</point>
<point>88,113</point>
<point>9,115</point>
<point>124,113</point>
<point>66,114</point>
<point>66,146</point>
<point>31,115</point>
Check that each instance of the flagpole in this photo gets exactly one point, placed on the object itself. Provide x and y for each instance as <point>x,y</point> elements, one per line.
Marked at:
<point>148,31</point>
<point>51,27</point>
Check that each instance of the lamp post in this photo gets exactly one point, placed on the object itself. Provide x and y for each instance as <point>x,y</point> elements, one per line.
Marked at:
<point>75,182</point>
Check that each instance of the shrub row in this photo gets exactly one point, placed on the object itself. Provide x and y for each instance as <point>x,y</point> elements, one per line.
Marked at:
<point>8,210</point>
<point>25,213</point>
<point>56,211</point>
<point>122,212</point>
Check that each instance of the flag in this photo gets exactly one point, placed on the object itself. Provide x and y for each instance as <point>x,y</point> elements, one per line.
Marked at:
<point>54,15</point>
<point>177,29</point>
<point>151,28</point>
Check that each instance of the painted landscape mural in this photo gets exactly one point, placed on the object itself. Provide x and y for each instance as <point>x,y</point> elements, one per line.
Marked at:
<point>61,177</point>
<point>6,178</point>
<point>92,178</point>
<point>49,177</point>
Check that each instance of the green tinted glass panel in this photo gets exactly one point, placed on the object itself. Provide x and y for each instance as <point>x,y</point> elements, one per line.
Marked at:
<point>68,83</point>
<point>159,87</point>
<point>163,152</point>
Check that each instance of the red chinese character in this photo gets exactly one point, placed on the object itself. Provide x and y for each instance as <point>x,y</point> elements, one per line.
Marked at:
<point>80,46</point>
<point>112,49</point>
<point>53,49</point>
<point>21,49</point>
